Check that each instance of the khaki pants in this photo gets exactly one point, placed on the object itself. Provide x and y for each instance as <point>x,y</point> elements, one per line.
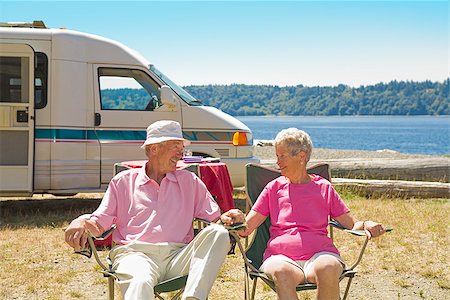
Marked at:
<point>140,266</point>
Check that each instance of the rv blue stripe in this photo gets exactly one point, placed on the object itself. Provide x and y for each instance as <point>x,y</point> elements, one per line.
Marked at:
<point>60,134</point>
<point>191,137</point>
<point>83,134</point>
<point>119,135</point>
<point>123,135</point>
<point>212,136</point>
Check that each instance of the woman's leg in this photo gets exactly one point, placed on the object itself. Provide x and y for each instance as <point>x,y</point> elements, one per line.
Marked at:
<point>286,274</point>
<point>324,269</point>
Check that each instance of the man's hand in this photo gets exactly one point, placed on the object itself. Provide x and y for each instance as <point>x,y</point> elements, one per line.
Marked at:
<point>232,216</point>
<point>76,233</point>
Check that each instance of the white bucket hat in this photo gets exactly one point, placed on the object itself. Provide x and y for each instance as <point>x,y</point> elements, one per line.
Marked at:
<point>164,130</point>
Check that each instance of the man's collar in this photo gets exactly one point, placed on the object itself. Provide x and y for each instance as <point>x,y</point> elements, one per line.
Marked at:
<point>142,177</point>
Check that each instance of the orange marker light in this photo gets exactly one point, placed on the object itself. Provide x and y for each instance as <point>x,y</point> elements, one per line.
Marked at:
<point>240,139</point>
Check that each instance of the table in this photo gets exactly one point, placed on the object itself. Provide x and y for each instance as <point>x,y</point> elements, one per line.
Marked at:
<point>214,174</point>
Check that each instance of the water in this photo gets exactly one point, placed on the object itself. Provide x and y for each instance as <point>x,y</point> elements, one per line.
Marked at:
<point>406,134</point>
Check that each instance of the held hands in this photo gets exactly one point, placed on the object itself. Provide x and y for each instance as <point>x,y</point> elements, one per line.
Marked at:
<point>232,217</point>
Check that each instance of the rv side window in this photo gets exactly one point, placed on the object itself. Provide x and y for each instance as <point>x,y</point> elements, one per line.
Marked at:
<point>40,80</point>
<point>14,77</point>
<point>127,89</point>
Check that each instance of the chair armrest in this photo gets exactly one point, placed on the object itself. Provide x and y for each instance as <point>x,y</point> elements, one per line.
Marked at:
<point>236,226</point>
<point>334,224</point>
<point>233,229</point>
<point>248,263</point>
<point>106,234</point>
<point>358,232</point>
<point>88,251</point>
<point>92,249</point>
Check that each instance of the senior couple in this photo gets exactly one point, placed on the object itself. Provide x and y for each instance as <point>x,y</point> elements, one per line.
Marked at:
<point>153,208</point>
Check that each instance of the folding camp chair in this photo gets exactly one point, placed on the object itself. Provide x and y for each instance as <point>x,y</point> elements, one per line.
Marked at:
<point>175,284</point>
<point>257,178</point>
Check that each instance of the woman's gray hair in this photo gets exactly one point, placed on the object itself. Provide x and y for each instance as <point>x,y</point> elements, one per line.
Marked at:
<point>295,140</point>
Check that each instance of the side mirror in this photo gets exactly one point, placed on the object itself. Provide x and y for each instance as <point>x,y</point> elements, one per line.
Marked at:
<point>168,99</point>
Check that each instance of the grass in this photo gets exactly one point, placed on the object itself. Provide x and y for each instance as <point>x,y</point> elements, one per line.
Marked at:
<point>411,262</point>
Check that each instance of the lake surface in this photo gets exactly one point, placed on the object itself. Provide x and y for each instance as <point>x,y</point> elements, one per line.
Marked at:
<point>406,134</point>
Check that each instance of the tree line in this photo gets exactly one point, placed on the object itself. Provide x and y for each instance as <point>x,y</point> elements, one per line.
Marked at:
<point>393,98</point>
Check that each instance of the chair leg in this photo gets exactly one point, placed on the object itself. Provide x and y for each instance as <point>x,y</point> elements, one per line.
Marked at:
<point>159,297</point>
<point>178,294</point>
<point>347,289</point>
<point>253,289</point>
<point>111,288</point>
<point>246,287</point>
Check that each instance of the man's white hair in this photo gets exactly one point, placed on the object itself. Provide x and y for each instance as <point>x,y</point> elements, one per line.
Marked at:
<point>296,140</point>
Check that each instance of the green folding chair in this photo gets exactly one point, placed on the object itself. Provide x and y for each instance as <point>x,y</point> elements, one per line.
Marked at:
<point>257,178</point>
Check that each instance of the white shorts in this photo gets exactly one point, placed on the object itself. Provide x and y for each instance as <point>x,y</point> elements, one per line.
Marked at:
<point>304,265</point>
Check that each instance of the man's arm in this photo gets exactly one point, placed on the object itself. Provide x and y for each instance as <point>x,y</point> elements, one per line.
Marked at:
<point>76,233</point>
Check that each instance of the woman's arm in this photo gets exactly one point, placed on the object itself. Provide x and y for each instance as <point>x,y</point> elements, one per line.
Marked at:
<point>253,220</point>
<point>372,229</point>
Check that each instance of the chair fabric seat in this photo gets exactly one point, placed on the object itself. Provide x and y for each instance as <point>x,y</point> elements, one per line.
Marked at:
<point>171,284</point>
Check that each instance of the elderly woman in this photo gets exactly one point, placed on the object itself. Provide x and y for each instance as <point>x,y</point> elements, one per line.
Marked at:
<point>299,205</point>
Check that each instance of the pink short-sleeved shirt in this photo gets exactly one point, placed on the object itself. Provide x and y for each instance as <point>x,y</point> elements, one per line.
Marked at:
<point>145,211</point>
<point>299,216</point>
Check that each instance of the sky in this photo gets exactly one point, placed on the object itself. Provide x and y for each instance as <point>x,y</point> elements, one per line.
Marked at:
<point>284,43</point>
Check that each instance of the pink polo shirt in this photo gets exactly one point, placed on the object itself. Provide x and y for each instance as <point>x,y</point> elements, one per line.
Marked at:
<point>145,211</point>
<point>299,216</point>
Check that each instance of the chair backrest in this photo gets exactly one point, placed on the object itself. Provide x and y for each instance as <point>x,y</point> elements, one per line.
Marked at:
<point>257,178</point>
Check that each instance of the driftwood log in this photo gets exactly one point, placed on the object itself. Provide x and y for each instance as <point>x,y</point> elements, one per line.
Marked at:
<point>424,177</point>
<point>396,188</point>
<point>415,169</point>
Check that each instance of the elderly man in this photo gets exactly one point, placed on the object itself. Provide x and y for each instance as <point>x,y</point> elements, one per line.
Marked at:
<point>153,208</point>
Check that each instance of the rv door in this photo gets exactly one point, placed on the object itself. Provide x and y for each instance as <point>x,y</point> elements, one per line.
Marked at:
<point>16,118</point>
<point>127,100</point>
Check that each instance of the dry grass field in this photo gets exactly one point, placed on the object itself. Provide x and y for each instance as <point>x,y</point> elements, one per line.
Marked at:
<point>411,262</point>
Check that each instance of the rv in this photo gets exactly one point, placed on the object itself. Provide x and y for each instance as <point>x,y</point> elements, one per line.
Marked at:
<point>73,104</point>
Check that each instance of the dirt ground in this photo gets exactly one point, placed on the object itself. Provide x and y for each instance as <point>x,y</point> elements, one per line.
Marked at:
<point>408,263</point>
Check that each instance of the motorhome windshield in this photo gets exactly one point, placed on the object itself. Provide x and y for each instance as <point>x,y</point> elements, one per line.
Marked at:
<point>176,88</point>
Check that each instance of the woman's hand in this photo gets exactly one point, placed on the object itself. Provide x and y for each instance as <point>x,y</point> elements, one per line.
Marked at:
<point>373,229</point>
